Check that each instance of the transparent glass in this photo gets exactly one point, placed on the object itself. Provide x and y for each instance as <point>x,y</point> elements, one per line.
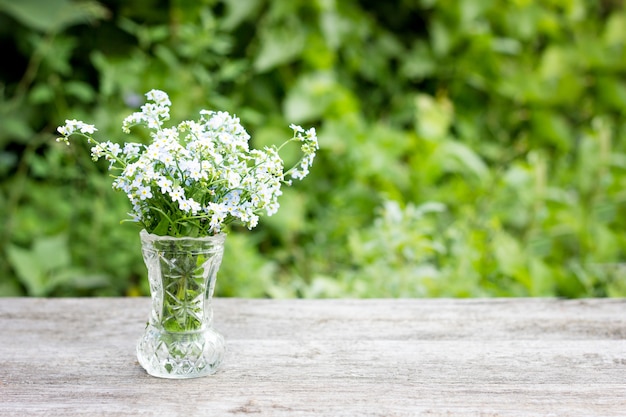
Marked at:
<point>179,340</point>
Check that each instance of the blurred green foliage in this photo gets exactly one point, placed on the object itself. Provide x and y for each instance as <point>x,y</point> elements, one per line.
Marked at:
<point>468,147</point>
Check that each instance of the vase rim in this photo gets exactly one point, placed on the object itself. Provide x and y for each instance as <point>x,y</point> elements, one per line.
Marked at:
<point>144,234</point>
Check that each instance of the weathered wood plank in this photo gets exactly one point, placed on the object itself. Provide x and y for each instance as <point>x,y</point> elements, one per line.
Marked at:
<point>501,357</point>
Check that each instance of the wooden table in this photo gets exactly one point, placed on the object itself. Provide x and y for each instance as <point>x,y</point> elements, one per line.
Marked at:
<point>434,357</point>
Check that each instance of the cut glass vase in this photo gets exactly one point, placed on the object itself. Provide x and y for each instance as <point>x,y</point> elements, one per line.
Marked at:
<point>179,340</point>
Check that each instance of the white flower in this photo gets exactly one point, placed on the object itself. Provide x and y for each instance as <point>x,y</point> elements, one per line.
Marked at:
<point>232,198</point>
<point>177,193</point>
<point>298,175</point>
<point>184,205</point>
<point>159,97</point>
<point>72,125</point>
<point>192,168</point>
<point>130,170</point>
<point>233,178</point>
<point>64,131</point>
<point>296,128</point>
<point>144,193</point>
<point>252,223</point>
<point>211,161</point>
<point>194,206</point>
<point>153,152</point>
<point>87,129</point>
<point>120,183</point>
<point>165,184</point>
<point>131,150</point>
<point>114,148</point>
<point>167,159</point>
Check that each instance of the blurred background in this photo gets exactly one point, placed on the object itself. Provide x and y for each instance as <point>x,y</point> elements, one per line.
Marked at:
<point>468,148</point>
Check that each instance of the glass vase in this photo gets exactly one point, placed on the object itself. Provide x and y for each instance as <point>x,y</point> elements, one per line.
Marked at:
<point>179,341</point>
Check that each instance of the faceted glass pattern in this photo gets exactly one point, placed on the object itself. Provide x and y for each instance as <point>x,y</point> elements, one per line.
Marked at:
<point>179,341</point>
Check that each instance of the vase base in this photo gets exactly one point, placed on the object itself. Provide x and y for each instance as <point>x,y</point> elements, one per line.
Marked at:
<point>180,355</point>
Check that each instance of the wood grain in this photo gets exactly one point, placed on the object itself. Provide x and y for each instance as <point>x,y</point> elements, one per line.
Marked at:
<point>404,357</point>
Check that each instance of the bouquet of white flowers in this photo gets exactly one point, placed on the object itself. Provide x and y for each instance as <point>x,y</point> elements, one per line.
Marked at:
<point>195,178</point>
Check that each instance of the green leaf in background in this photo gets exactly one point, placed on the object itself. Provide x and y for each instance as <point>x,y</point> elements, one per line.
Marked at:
<point>41,93</point>
<point>313,95</point>
<point>279,45</point>
<point>509,113</point>
<point>612,90</point>
<point>615,30</point>
<point>419,62</point>
<point>456,157</point>
<point>53,15</point>
<point>36,266</point>
<point>28,270</point>
<point>15,128</point>
<point>80,90</point>
<point>434,116</point>
<point>237,11</point>
<point>552,128</point>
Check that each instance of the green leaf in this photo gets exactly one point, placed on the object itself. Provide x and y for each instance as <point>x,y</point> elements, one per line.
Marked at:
<point>554,62</point>
<point>52,252</point>
<point>77,278</point>
<point>541,276</point>
<point>16,128</point>
<point>457,157</point>
<point>334,28</point>
<point>279,45</point>
<point>81,90</point>
<point>8,162</point>
<point>49,255</point>
<point>440,38</point>
<point>434,116</point>
<point>612,91</point>
<point>53,15</point>
<point>28,270</point>
<point>553,128</point>
<point>238,11</point>
<point>615,29</point>
<point>506,46</point>
<point>291,217</point>
<point>508,252</point>
<point>419,62</point>
<point>309,97</point>
<point>162,228</point>
<point>41,93</point>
